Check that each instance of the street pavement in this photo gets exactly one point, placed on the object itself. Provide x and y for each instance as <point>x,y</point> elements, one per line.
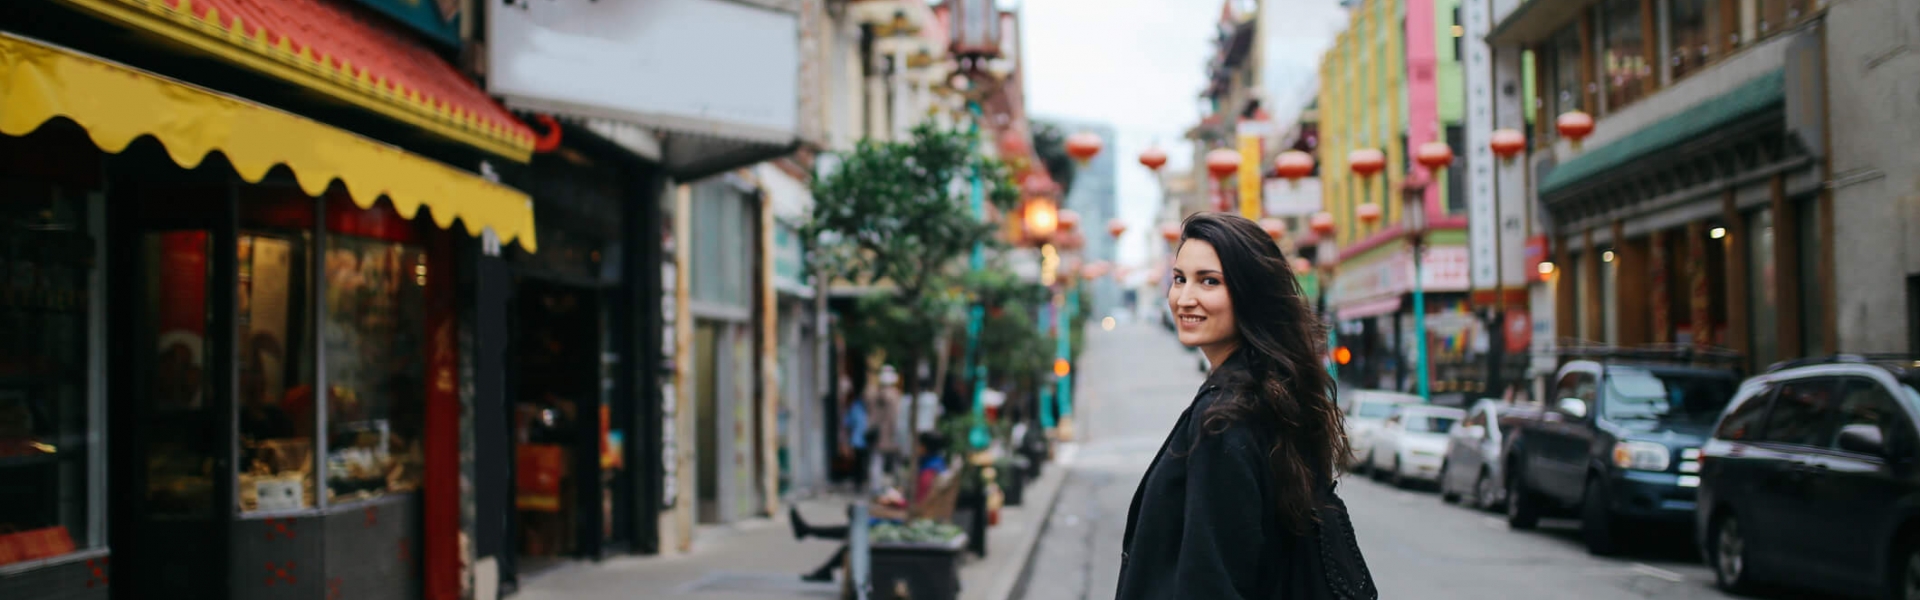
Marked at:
<point>1137,379</point>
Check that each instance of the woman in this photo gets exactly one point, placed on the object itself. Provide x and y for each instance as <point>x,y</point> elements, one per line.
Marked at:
<point>1239,501</point>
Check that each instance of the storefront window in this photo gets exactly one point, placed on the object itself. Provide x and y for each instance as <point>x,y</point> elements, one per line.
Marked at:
<point>1628,70</point>
<point>374,334</point>
<point>1777,15</point>
<point>1762,289</point>
<point>274,359</point>
<point>1691,39</point>
<point>46,451</point>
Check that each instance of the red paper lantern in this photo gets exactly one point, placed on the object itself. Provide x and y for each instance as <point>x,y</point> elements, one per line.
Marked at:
<point>1115,227</point>
<point>1507,143</point>
<point>1293,164</point>
<point>1322,223</point>
<point>1574,125</point>
<point>1083,146</point>
<point>1170,232</point>
<point>1222,162</point>
<point>1275,228</point>
<point>1301,265</point>
<point>1069,220</point>
<point>1434,155</point>
<point>1369,213</point>
<point>1366,162</point>
<point>1153,158</point>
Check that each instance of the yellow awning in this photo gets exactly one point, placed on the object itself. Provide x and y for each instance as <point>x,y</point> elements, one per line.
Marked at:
<point>116,104</point>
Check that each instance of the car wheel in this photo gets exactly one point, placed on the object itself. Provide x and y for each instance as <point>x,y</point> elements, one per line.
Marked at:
<point>1598,525</point>
<point>1485,494</point>
<point>1399,477</point>
<point>1730,557</point>
<point>1447,494</point>
<point>1523,511</point>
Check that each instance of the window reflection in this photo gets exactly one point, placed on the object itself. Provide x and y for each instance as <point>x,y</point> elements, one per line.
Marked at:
<point>374,328</point>
<point>1629,71</point>
<point>275,374</point>
<point>1691,39</point>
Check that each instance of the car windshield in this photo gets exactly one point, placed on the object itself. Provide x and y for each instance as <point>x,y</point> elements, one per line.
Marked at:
<point>1375,410</point>
<point>1640,394</point>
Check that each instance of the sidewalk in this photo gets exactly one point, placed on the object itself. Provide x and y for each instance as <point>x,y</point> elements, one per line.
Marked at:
<point>759,559</point>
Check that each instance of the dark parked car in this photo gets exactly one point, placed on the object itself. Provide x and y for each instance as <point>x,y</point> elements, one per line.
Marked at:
<point>1813,478</point>
<point>1472,466</point>
<point>1618,447</point>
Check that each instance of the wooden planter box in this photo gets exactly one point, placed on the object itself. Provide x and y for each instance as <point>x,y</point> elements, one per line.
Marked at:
<point>927,571</point>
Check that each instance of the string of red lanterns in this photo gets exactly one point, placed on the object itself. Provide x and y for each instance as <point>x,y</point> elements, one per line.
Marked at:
<point>1293,165</point>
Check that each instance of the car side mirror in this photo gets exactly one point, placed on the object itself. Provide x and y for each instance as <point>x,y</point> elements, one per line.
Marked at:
<point>1862,438</point>
<point>1573,407</point>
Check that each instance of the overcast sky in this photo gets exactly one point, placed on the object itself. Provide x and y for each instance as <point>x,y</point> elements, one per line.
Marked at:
<point>1139,65</point>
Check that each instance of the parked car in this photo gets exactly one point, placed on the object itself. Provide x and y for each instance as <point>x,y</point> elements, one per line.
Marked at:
<point>1365,411</point>
<point>1472,466</point>
<point>1410,443</point>
<point>1618,447</point>
<point>1812,477</point>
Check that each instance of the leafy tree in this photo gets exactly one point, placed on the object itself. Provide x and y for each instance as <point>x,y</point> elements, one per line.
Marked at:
<point>900,212</point>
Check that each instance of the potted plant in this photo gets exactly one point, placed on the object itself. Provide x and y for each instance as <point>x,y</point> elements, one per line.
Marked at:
<point>921,559</point>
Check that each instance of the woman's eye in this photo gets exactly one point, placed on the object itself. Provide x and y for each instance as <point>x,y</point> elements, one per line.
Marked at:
<point>1210,281</point>
<point>1179,279</point>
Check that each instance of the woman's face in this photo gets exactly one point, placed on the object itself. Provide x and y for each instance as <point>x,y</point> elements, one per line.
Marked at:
<point>1199,298</point>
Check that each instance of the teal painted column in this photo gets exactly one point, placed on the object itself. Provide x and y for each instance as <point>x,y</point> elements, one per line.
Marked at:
<point>1420,330</point>
<point>1064,349</point>
<point>976,314</point>
<point>1045,319</point>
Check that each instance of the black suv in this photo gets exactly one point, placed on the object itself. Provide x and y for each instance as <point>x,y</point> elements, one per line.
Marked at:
<point>1813,477</point>
<point>1617,447</point>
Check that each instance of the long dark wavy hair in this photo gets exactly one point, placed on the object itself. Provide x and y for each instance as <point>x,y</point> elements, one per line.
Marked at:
<point>1288,397</point>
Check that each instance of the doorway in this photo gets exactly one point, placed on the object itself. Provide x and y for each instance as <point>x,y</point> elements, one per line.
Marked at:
<point>555,419</point>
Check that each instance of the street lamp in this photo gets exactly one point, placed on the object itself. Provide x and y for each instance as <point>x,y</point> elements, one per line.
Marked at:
<point>1414,222</point>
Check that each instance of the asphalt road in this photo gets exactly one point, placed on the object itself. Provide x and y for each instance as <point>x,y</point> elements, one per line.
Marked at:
<point>1136,380</point>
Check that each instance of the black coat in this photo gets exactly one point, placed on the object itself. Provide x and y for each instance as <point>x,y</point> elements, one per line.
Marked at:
<point>1205,522</point>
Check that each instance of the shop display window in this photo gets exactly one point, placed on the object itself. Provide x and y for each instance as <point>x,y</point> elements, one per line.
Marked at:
<point>275,397</point>
<point>1628,71</point>
<point>1691,37</point>
<point>48,459</point>
<point>374,332</point>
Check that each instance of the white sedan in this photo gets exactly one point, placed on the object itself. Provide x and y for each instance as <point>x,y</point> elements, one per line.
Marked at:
<point>1412,442</point>
<point>1366,411</point>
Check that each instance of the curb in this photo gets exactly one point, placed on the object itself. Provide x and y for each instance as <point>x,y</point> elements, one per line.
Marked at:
<point>1009,583</point>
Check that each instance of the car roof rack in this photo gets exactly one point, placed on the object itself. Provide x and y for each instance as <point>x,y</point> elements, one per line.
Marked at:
<point>1676,354</point>
<point>1910,360</point>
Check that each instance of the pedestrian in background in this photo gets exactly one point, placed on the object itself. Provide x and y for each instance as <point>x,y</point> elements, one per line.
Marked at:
<point>1239,502</point>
